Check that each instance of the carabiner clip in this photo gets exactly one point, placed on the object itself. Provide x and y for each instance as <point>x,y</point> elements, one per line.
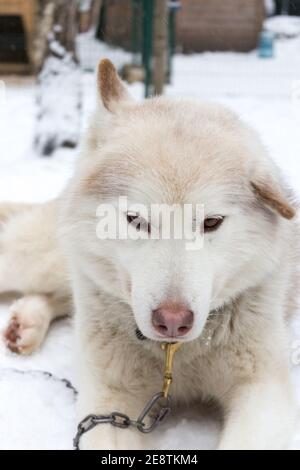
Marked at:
<point>161,414</point>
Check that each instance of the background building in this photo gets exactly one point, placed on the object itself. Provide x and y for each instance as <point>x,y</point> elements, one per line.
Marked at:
<point>200,25</point>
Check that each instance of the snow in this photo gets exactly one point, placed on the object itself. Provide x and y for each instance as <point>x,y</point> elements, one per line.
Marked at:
<point>37,411</point>
<point>283,26</point>
<point>48,396</point>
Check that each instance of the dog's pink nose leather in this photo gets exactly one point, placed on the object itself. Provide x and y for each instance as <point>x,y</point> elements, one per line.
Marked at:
<point>172,320</point>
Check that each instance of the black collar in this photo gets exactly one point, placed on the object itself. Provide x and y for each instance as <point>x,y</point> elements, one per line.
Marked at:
<point>140,335</point>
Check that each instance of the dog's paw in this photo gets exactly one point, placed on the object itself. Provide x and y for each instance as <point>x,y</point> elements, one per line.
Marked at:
<point>26,329</point>
<point>21,337</point>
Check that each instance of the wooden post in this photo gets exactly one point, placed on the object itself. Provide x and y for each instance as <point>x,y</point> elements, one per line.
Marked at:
<point>57,22</point>
<point>147,44</point>
<point>96,12</point>
<point>160,45</point>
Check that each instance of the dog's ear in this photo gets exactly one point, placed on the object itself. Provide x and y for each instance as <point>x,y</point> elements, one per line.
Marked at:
<point>111,89</point>
<point>273,197</point>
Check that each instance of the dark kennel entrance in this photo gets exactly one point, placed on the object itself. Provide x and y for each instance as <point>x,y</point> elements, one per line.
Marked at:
<point>13,46</point>
<point>288,7</point>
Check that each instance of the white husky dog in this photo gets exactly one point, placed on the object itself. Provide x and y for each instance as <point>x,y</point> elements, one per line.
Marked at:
<point>229,302</point>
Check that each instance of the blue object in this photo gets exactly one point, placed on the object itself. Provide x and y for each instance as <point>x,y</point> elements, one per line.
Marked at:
<point>266,45</point>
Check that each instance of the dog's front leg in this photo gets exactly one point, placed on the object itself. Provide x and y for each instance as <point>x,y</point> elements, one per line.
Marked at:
<point>111,369</point>
<point>106,436</point>
<point>259,416</point>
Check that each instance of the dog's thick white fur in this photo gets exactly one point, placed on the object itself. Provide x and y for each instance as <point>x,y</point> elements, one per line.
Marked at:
<point>240,285</point>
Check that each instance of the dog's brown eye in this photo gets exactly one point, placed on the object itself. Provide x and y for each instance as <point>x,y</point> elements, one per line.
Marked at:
<point>138,222</point>
<point>131,218</point>
<point>212,223</point>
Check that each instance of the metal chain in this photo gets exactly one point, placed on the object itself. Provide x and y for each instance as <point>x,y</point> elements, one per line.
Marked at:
<point>123,421</point>
<point>161,400</point>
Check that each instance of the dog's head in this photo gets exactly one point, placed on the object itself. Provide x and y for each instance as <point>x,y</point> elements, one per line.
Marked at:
<point>176,153</point>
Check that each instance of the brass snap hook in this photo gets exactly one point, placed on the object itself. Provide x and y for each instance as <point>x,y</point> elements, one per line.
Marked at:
<point>170,349</point>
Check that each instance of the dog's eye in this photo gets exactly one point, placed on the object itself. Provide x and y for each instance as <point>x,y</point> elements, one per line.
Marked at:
<point>138,222</point>
<point>132,217</point>
<point>212,223</point>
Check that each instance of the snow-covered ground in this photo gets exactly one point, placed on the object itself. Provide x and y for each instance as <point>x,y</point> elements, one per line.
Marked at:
<point>284,26</point>
<point>37,411</point>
